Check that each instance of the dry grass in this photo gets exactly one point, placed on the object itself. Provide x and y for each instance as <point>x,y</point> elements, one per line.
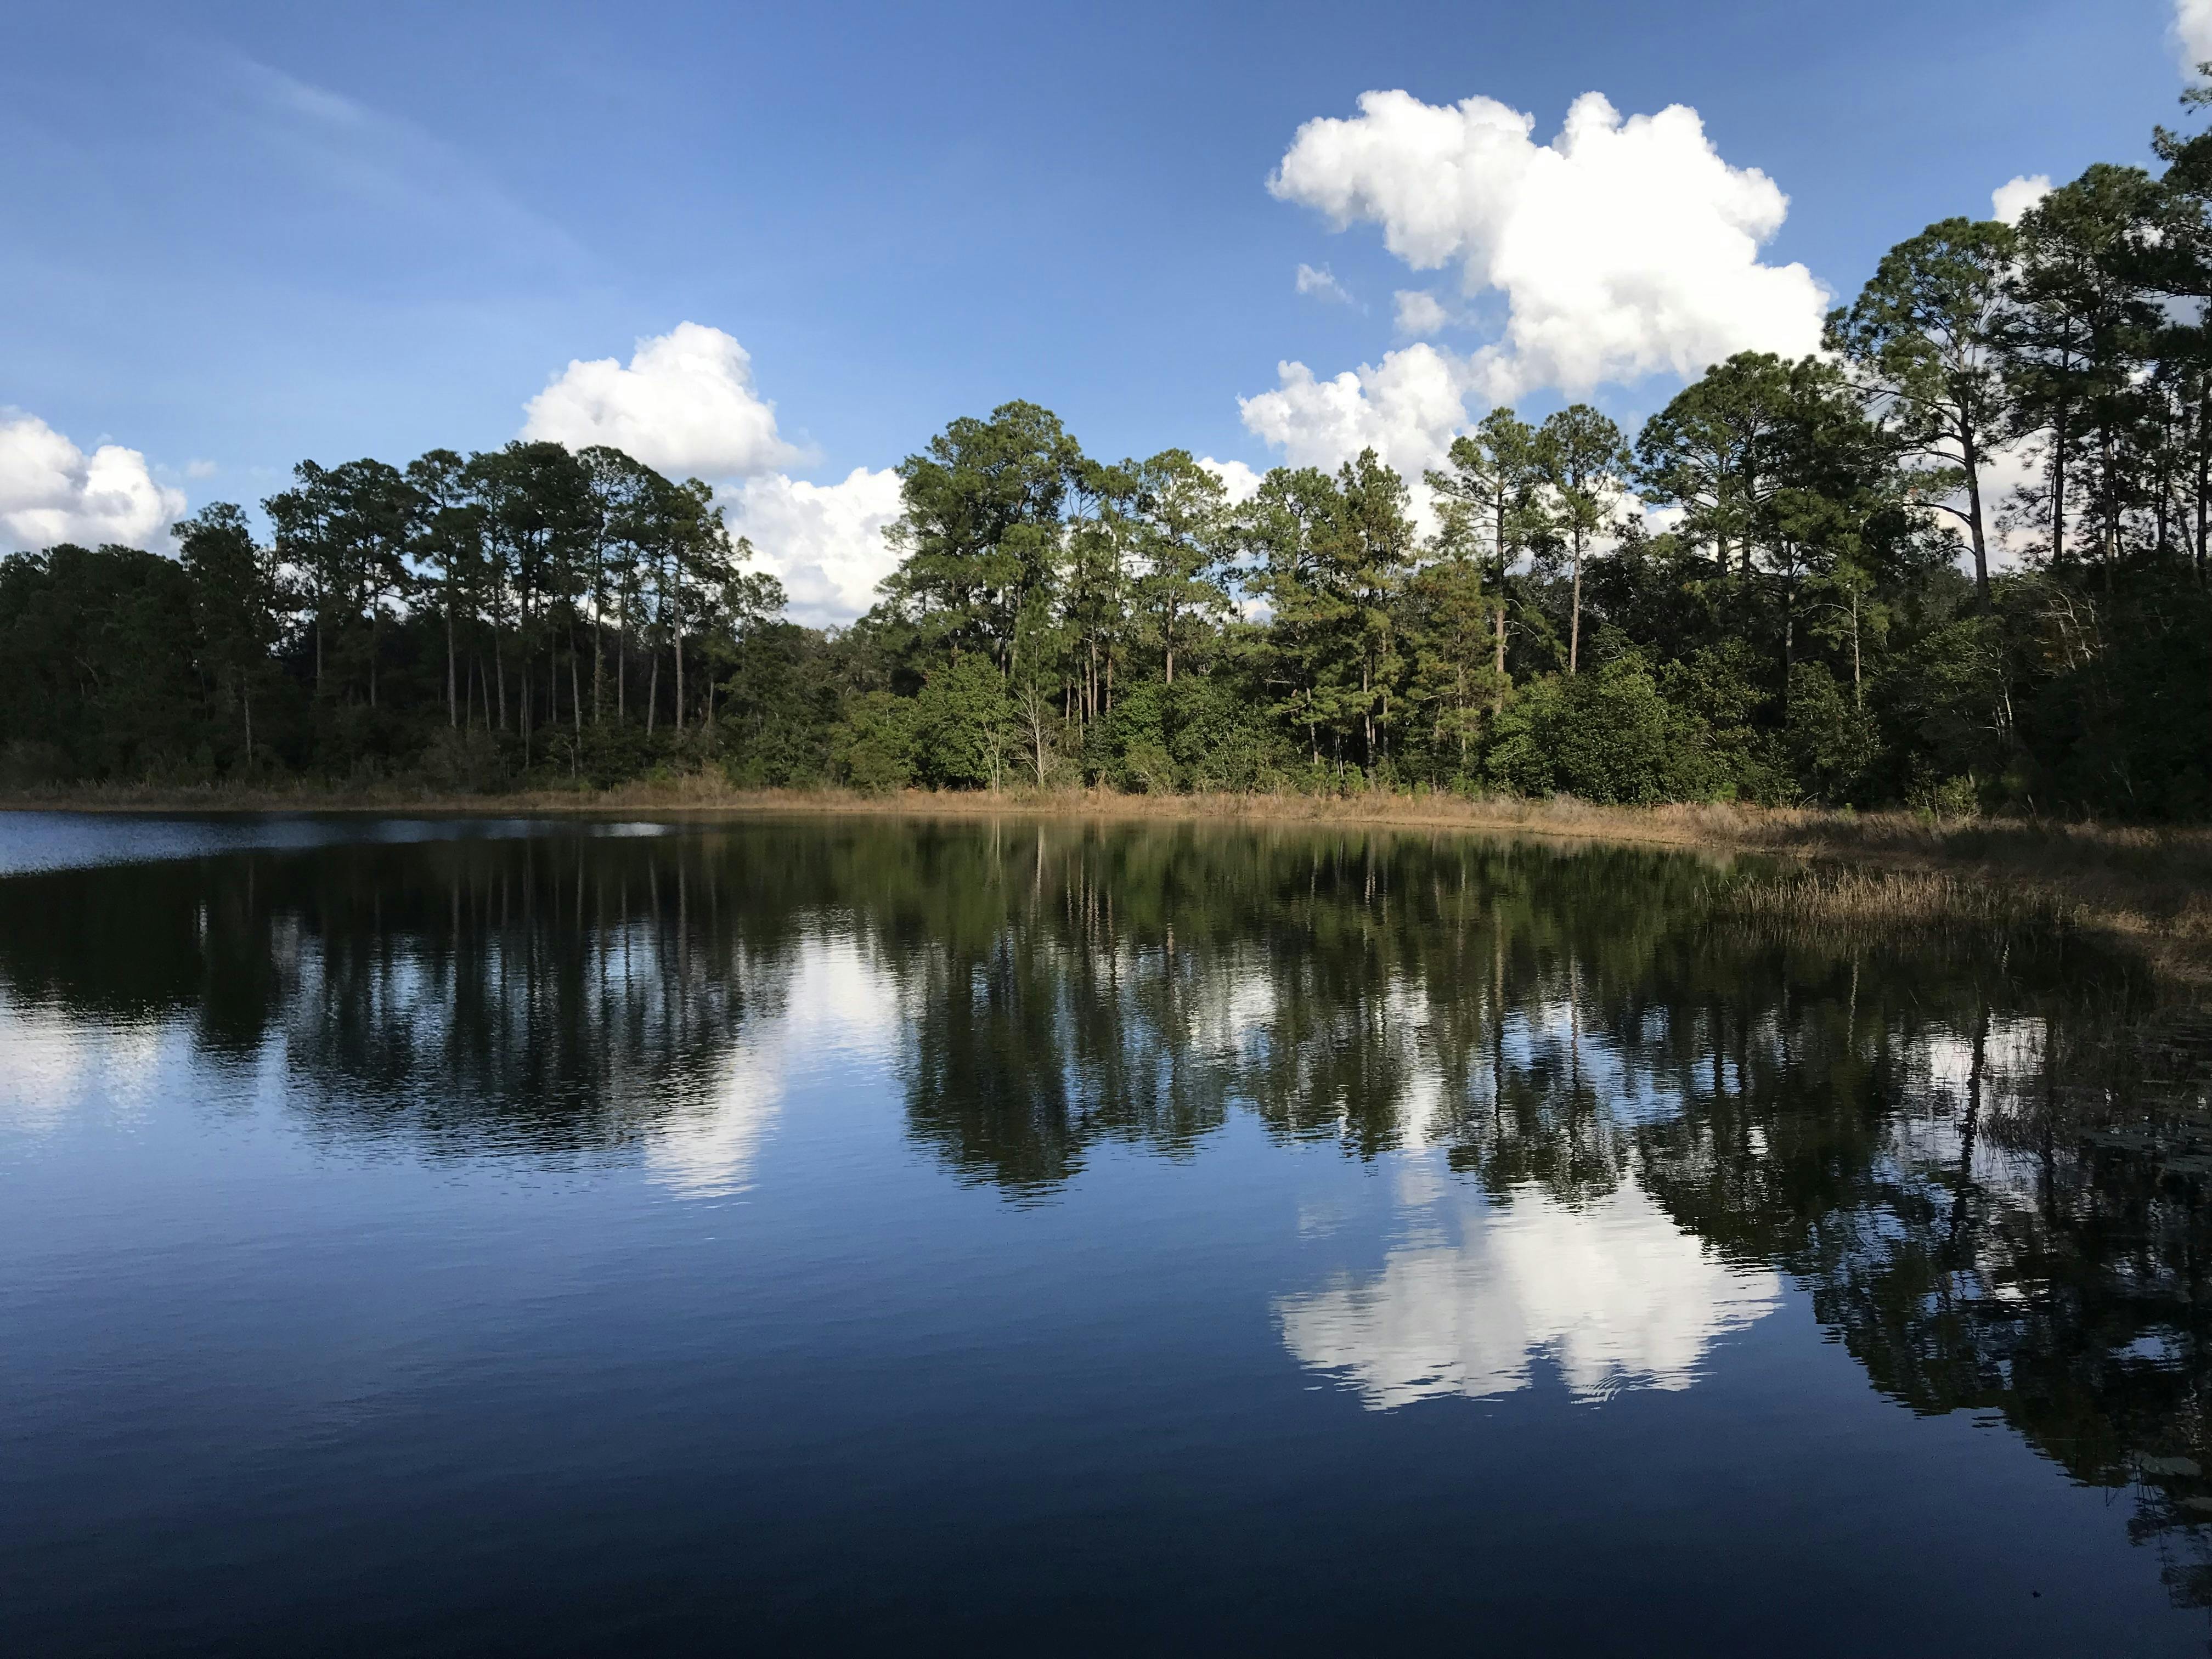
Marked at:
<point>1889,903</point>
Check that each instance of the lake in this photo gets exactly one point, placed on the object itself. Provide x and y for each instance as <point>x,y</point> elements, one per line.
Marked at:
<point>474,1235</point>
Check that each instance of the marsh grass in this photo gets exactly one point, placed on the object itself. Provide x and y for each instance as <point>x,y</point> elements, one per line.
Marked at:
<point>1887,903</point>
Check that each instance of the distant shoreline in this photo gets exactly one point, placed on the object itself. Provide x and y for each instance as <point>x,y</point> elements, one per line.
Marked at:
<point>2149,888</point>
<point>1671,824</point>
<point>1811,831</point>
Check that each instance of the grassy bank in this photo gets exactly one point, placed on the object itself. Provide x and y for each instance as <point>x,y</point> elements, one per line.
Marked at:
<point>1896,871</point>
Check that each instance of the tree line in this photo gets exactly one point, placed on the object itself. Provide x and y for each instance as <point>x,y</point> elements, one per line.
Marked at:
<point>1801,580</point>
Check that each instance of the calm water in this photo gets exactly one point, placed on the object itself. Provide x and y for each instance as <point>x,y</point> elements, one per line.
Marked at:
<point>463,1238</point>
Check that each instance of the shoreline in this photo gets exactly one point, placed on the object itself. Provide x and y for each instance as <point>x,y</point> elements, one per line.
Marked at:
<point>2149,887</point>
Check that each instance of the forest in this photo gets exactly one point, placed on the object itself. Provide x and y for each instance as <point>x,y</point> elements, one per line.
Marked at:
<point>1801,581</point>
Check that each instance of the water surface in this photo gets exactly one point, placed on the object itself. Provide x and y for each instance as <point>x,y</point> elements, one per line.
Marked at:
<point>450,1237</point>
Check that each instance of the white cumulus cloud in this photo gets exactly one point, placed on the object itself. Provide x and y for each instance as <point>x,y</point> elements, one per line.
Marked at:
<point>1405,407</point>
<point>1623,248</point>
<point>824,542</point>
<point>685,406</point>
<point>52,491</point>
<point>1419,312</point>
<point>2012,199</point>
<point>2192,31</point>
<point>1238,481</point>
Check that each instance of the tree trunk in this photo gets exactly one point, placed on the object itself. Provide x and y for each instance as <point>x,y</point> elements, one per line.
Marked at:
<point>453,692</point>
<point>1366,715</point>
<point>1497,616</point>
<point>1789,619</point>
<point>2058,488</point>
<point>679,652</point>
<point>522,708</point>
<point>1574,611</point>
<point>1971,451</point>
<point>2165,540</point>
<point>2203,469</point>
<point>2111,493</point>
<point>1857,699</point>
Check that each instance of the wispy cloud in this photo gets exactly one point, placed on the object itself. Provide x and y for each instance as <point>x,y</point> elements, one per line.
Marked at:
<point>1323,285</point>
<point>341,148</point>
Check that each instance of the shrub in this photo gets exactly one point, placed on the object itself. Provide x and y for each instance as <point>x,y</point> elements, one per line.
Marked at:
<point>874,747</point>
<point>1606,735</point>
<point>466,763</point>
<point>963,724</point>
<point>1833,744</point>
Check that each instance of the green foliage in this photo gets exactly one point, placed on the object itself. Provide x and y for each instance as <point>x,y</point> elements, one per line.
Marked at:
<point>1720,694</point>
<point>1832,744</point>
<point>872,749</point>
<point>2129,726</point>
<point>1797,628</point>
<point>779,702</point>
<point>97,665</point>
<point>1607,736</point>
<point>981,528</point>
<point>963,726</point>
<point>1945,706</point>
<point>1221,738</point>
<point>1583,464</point>
<point>1135,749</point>
<point>1925,333</point>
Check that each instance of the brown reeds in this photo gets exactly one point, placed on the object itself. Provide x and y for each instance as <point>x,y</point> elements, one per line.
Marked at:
<point>1890,903</point>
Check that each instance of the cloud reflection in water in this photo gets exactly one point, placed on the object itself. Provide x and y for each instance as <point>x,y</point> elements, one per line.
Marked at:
<point>1611,1292</point>
<point>838,1001</point>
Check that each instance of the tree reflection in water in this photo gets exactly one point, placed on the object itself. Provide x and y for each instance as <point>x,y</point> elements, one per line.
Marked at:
<point>1978,1154</point>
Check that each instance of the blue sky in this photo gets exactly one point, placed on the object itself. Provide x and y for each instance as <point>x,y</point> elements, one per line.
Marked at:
<point>240,234</point>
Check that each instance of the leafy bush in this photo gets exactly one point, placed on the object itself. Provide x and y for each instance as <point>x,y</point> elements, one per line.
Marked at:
<point>963,724</point>
<point>1606,735</point>
<point>1833,742</point>
<point>469,762</point>
<point>872,749</point>
<point>1221,738</point>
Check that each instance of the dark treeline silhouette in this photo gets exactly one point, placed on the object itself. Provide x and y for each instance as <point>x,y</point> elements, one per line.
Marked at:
<point>1826,614</point>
